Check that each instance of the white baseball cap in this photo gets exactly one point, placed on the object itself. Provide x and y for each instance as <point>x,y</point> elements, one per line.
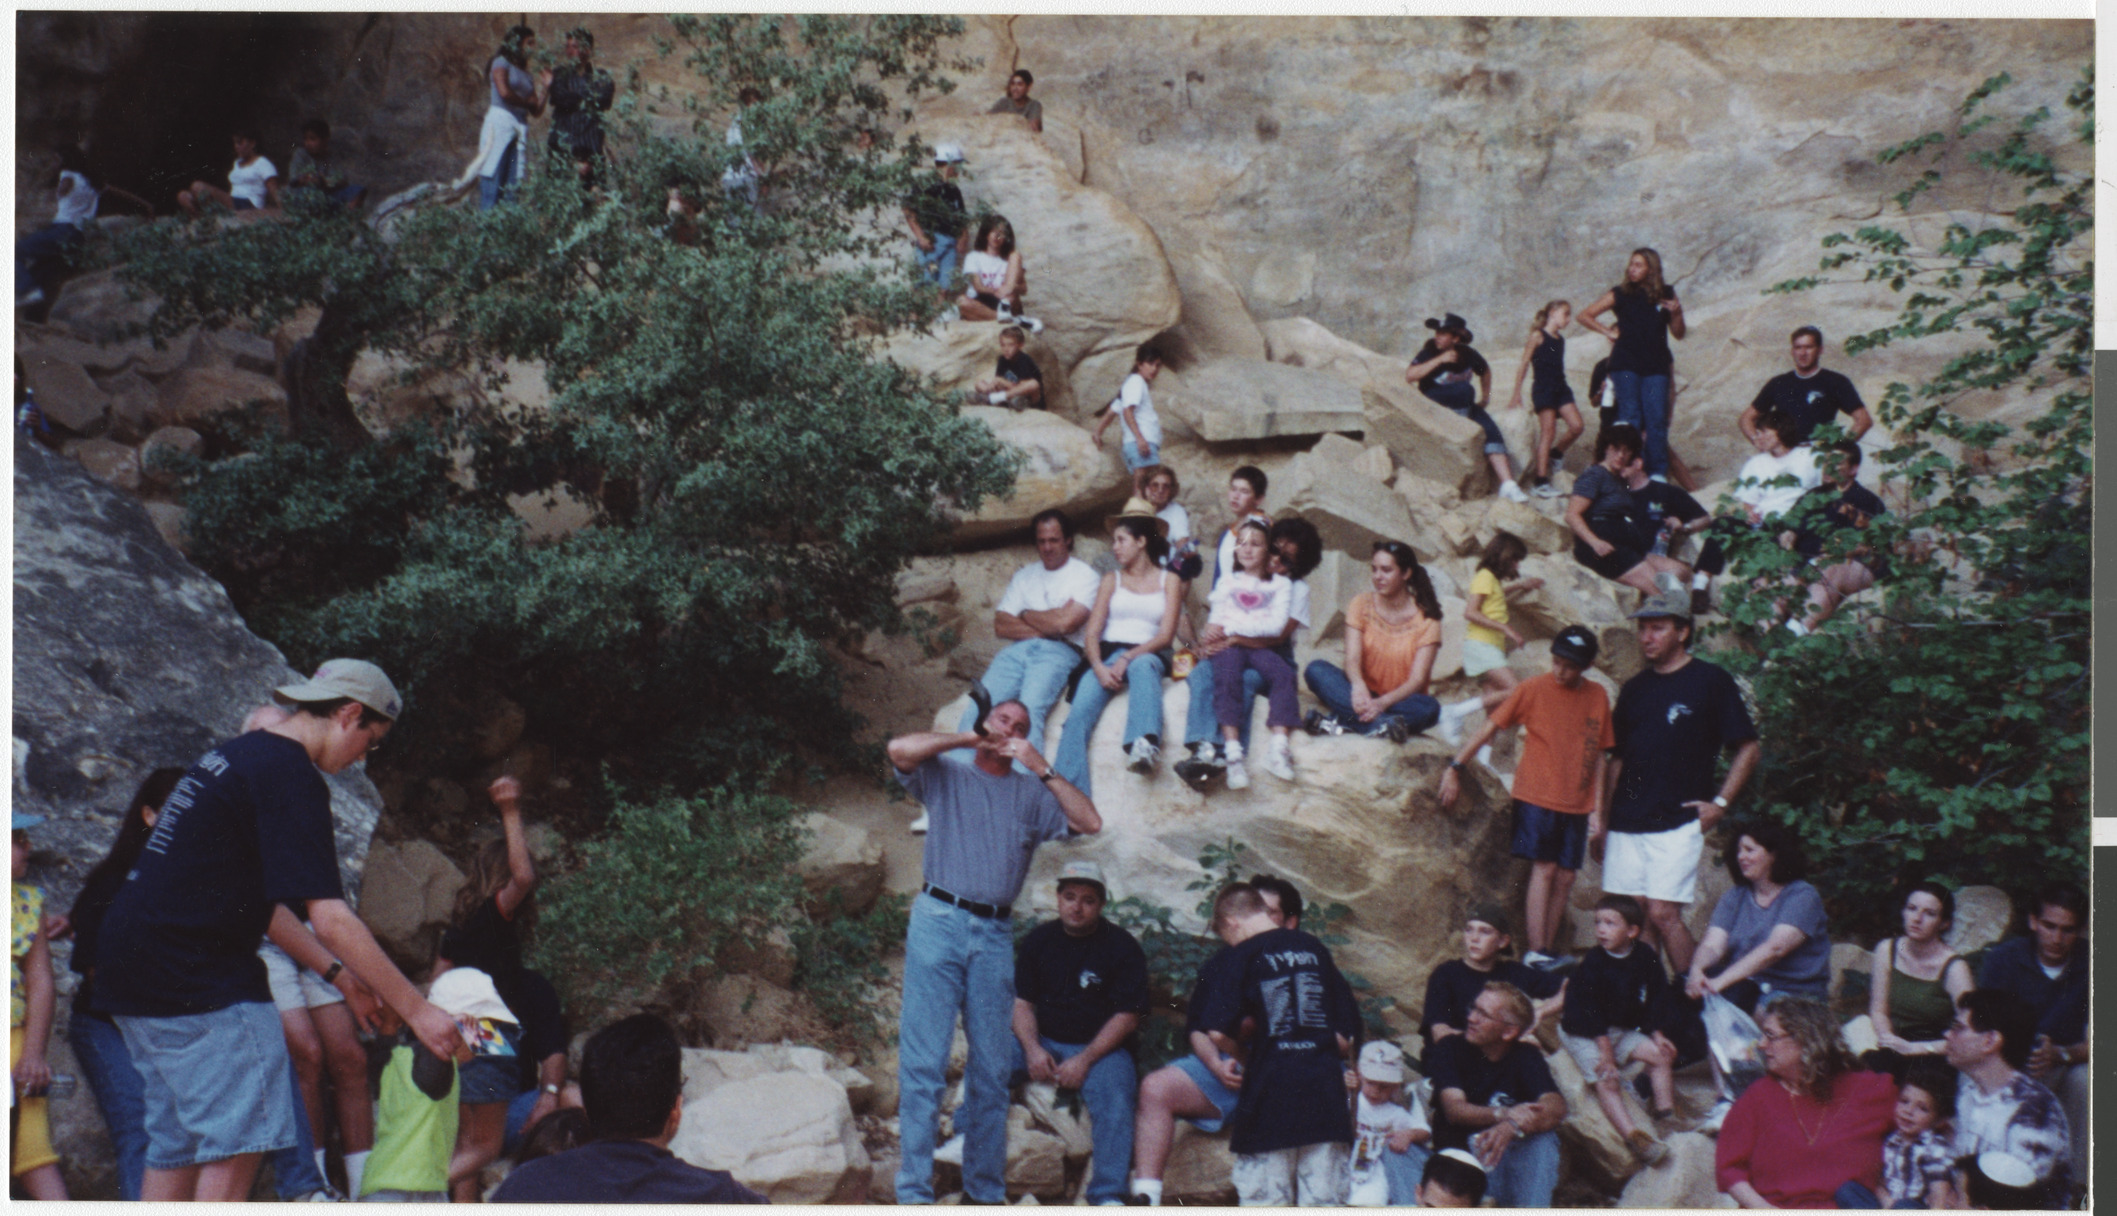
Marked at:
<point>948,154</point>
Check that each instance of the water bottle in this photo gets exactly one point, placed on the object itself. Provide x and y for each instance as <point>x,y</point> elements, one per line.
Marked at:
<point>1661,540</point>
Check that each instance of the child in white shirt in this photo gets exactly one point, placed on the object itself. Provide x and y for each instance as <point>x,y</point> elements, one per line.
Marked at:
<point>1385,1124</point>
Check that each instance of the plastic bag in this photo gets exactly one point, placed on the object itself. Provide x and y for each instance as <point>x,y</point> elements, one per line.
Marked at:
<point>1736,1043</point>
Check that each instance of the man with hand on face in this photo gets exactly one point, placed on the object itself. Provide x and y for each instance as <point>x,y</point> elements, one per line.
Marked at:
<point>1080,992</point>
<point>988,816</point>
<point>1672,722</point>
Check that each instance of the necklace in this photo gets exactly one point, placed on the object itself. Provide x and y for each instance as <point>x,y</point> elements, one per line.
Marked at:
<point>1793,1104</point>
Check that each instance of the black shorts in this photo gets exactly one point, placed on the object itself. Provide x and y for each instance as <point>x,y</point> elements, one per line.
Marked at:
<point>986,298</point>
<point>1615,565</point>
<point>1547,400</point>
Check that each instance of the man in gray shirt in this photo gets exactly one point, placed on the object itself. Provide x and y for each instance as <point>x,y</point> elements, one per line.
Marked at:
<point>1019,103</point>
<point>988,816</point>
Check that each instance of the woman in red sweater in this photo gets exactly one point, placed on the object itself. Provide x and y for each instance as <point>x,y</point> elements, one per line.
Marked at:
<point>1811,1125</point>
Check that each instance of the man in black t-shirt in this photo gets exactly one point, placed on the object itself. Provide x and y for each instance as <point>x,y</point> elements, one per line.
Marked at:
<point>244,843</point>
<point>1809,394</point>
<point>1080,989</point>
<point>1443,370</point>
<point>1841,502</point>
<point>1494,1095</point>
<point>1292,1128</point>
<point>1016,381</point>
<point>1488,933</point>
<point>1672,721</point>
<point>937,220</point>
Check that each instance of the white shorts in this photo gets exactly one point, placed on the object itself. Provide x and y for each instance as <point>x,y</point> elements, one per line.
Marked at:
<point>295,987</point>
<point>1311,1176</point>
<point>1481,657</point>
<point>1654,865</point>
<point>1622,1044</point>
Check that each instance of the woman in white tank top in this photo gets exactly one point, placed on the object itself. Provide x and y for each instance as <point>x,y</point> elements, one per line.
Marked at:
<point>1129,631</point>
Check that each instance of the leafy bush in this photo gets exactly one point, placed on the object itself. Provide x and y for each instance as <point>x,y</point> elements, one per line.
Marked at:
<point>1944,731</point>
<point>841,963</point>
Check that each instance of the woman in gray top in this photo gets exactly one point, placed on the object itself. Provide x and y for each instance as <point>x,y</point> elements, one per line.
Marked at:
<point>513,99</point>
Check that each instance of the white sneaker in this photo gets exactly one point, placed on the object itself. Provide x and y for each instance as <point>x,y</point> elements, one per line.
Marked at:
<point>951,1152</point>
<point>1278,761</point>
<point>952,314</point>
<point>1238,774</point>
<point>1484,755</point>
<point>1031,324</point>
<point>1716,1116</point>
<point>1140,757</point>
<point>1548,490</point>
<point>1512,492</point>
<point>1452,719</point>
<point>919,825</point>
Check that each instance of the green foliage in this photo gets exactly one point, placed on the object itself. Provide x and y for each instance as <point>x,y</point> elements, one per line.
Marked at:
<point>1222,864</point>
<point>675,884</point>
<point>756,475</point>
<point>840,963</point>
<point>1945,732</point>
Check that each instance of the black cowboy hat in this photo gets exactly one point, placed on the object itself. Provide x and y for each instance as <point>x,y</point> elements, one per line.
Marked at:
<point>1451,322</point>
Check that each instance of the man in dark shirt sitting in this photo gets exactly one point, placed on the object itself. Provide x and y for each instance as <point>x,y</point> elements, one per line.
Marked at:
<point>1841,502</point>
<point>632,1088</point>
<point>1080,991</point>
<point>1494,1095</point>
<point>1809,394</point>
<point>2048,970</point>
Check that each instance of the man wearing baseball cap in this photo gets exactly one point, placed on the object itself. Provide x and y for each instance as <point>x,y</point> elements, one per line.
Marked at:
<point>244,834</point>
<point>1080,990</point>
<point>1672,722</point>
<point>1558,786</point>
<point>937,220</point>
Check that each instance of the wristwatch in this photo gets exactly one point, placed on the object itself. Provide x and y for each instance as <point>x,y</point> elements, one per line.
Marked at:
<point>1048,774</point>
<point>1720,801</point>
<point>332,974</point>
<point>551,1089</point>
<point>1454,763</point>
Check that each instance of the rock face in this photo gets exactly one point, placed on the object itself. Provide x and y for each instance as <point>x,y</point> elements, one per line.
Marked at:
<point>126,659</point>
<point>779,1121</point>
<point>1063,469</point>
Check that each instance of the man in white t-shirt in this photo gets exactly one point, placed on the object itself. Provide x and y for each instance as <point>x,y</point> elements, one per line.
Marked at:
<point>1139,427</point>
<point>253,182</point>
<point>1042,616</point>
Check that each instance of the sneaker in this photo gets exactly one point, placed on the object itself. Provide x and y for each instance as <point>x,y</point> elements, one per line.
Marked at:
<point>1716,1116</point>
<point>1392,728</point>
<point>1238,775</point>
<point>1277,760</point>
<point>1199,769</point>
<point>1140,757</point>
<point>1647,1148</point>
<point>952,1152</point>
<point>1031,324</point>
<point>1548,490</point>
<point>323,1194</point>
<point>1484,755</point>
<point>1512,492</point>
<point>1539,960</point>
<point>1451,723</point>
<point>919,825</point>
<point>948,315</point>
<point>1320,723</point>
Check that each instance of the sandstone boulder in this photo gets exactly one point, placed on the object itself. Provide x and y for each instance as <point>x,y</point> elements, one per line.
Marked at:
<point>198,394</point>
<point>961,353</point>
<point>108,461</point>
<point>1425,439</point>
<point>168,520</point>
<point>100,307</point>
<point>840,858</point>
<point>1983,915</point>
<point>1256,399</point>
<point>1684,1180</point>
<point>1572,594</point>
<point>787,1134</point>
<point>1596,1147</point>
<point>163,447</point>
<point>1200,1170</point>
<point>408,895</point>
<point>1063,469</point>
<point>743,1009</point>
<point>1543,528</point>
<point>1036,1160</point>
<point>1350,510</point>
<point>1215,321</point>
<point>132,398</point>
<point>64,392</point>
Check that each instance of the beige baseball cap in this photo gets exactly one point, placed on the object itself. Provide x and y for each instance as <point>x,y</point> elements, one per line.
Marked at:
<point>467,991</point>
<point>1382,1061</point>
<point>1080,869</point>
<point>355,678</point>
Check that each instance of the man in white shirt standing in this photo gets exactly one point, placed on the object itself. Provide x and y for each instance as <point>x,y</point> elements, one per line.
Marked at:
<point>1042,617</point>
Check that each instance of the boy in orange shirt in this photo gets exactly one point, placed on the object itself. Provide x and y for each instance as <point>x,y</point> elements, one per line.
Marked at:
<point>1558,787</point>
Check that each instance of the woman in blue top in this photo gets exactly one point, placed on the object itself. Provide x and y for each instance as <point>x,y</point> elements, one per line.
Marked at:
<point>1648,315</point>
<point>1769,935</point>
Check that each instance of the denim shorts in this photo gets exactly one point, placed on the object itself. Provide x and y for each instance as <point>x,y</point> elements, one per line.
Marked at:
<point>1546,835</point>
<point>216,1084</point>
<point>1222,1098</point>
<point>493,1078</point>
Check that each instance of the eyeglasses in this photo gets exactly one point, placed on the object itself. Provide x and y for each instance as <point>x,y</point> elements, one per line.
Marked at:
<point>1776,1036</point>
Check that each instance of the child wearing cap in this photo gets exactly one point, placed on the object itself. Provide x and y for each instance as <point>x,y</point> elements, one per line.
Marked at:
<point>1453,1179</point>
<point>1558,786</point>
<point>417,1109</point>
<point>1383,1124</point>
<point>1488,933</point>
<point>31,1002</point>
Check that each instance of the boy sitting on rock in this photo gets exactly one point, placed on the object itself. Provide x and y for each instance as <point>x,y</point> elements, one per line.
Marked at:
<point>1615,1005</point>
<point>1016,381</point>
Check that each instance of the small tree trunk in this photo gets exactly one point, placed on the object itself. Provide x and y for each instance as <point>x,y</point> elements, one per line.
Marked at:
<point>315,376</point>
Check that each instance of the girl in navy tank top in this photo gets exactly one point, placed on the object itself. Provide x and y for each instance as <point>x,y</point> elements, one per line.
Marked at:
<point>1549,393</point>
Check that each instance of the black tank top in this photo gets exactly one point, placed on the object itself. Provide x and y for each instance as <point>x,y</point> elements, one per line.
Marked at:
<point>1642,333</point>
<point>1548,361</point>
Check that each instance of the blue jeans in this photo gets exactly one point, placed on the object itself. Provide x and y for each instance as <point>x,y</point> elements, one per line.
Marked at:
<point>1332,687</point>
<point>1643,401</point>
<point>1463,400</point>
<point>938,267</point>
<point>107,1066</point>
<point>1128,447</point>
<point>955,962</point>
<point>1527,1173</point>
<point>1108,1090</point>
<point>500,187</point>
<point>1200,724</point>
<point>294,1171</point>
<point>1405,1171</point>
<point>518,1119</point>
<point>1033,671</point>
<point>46,243</point>
<point>1090,698</point>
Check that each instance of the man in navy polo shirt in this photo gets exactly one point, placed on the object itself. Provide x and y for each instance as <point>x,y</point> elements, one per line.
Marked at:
<point>242,839</point>
<point>988,815</point>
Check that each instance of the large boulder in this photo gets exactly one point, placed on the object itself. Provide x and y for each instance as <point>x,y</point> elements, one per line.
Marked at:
<point>1234,398</point>
<point>1350,509</point>
<point>840,858</point>
<point>407,896</point>
<point>1424,438</point>
<point>1200,1170</point>
<point>783,1130</point>
<point>1684,1180</point>
<point>1063,468</point>
<point>127,659</point>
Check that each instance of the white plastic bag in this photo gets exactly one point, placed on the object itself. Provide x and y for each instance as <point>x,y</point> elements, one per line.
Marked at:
<point>1736,1043</point>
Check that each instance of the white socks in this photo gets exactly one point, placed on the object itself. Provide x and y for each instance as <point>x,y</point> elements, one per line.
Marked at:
<point>1150,1188</point>
<point>356,1164</point>
<point>1700,582</point>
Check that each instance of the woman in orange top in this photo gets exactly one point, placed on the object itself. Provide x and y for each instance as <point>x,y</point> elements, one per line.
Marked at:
<point>1392,637</point>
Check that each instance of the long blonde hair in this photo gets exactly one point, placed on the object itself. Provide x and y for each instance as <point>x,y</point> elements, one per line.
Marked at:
<point>489,872</point>
<point>1653,284</point>
<point>1544,314</point>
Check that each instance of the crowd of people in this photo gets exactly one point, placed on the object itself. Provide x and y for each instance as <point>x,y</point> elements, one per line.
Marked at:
<point>225,985</point>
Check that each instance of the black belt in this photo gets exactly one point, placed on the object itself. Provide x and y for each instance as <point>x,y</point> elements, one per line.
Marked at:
<point>988,911</point>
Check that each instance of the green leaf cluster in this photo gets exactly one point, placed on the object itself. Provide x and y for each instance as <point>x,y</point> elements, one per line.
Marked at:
<point>1943,730</point>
